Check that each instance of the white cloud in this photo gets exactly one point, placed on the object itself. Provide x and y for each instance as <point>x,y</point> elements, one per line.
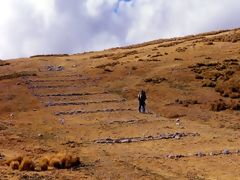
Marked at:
<point>29,27</point>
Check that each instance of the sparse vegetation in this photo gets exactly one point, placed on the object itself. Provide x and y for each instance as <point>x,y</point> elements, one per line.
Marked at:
<point>14,165</point>
<point>27,165</point>
<point>181,49</point>
<point>178,59</point>
<point>17,75</point>
<point>58,161</point>
<point>221,105</point>
<point>208,43</point>
<point>111,64</point>
<point>3,63</point>
<point>186,102</point>
<point>102,56</point>
<point>92,110</point>
<point>49,55</point>
<point>224,77</point>
<point>123,54</point>
<point>155,80</point>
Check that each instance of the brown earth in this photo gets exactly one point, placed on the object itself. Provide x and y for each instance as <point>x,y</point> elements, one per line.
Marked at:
<point>85,105</point>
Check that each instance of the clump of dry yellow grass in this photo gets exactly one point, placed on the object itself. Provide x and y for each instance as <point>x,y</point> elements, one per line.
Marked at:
<point>18,159</point>
<point>58,161</point>
<point>27,165</point>
<point>44,163</point>
<point>64,160</point>
<point>14,165</point>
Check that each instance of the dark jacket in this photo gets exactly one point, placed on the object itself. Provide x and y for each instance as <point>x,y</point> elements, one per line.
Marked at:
<point>142,96</point>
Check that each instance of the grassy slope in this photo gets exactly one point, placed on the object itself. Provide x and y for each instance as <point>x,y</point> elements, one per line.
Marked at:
<point>122,72</point>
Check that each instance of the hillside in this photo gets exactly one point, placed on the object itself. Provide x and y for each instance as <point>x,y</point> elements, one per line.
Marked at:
<point>86,105</point>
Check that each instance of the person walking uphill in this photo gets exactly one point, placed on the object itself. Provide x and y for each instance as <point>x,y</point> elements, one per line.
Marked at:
<point>141,99</point>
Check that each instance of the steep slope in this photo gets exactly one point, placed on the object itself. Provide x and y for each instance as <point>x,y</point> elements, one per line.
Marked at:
<point>86,104</point>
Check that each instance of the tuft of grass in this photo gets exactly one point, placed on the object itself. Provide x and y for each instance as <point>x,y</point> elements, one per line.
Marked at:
<point>27,165</point>
<point>18,159</point>
<point>61,161</point>
<point>44,163</point>
<point>56,163</point>
<point>14,165</point>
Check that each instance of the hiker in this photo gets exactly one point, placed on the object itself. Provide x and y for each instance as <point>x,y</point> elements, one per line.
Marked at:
<point>141,99</point>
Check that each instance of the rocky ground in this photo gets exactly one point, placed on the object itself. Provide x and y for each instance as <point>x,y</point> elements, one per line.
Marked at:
<point>86,105</point>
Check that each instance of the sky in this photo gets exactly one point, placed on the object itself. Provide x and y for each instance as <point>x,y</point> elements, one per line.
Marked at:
<point>30,27</point>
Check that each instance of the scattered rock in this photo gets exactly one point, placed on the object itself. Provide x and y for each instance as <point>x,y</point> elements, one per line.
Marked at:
<point>177,137</point>
<point>40,135</point>
<point>55,68</point>
<point>11,115</point>
<point>226,152</point>
<point>200,154</point>
<point>62,121</point>
<point>145,138</point>
<point>87,112</point>
<point>2,156</point>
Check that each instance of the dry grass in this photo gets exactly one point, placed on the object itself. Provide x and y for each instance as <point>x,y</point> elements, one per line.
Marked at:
<point>44,163</point>
<point>27,165</point>
<point>155,80</point>
<point>123,54</point>
<point>49,55</point>
<point>221,105</point>
<point>14,165</point>
<point>64,160</point>
<point>111,64</point>
<point>18,159</point>
<point>181,49</point>
<point>224,77</point>
<point>17,75</point>
<point>193,103</point>
<point>56,163</point>
<point>3,63</point>
<point>218,105</point>
<point>102,56</point>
